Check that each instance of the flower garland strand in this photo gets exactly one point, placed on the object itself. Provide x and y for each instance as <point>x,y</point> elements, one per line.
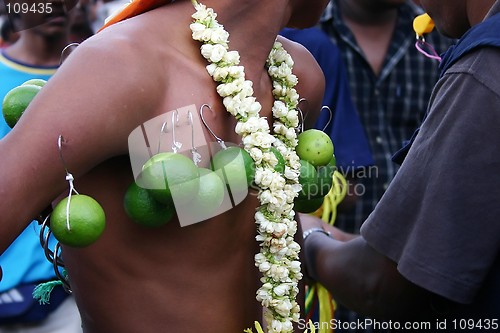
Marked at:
<point>278,259</point>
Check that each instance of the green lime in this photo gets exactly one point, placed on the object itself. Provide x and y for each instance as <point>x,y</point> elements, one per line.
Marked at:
<point>143,209</point>
<point>308,179</point>
<point>209,197</point>
<point>171,177</point>
<point>16,101</point>
<point>333,162</point>
<point>307,206</point>
<point>236,166</point>
<point>36,82</point>
<point>325,177</point>
<point>86,221</point>
<point>314,146</point>
<point>280,166</point>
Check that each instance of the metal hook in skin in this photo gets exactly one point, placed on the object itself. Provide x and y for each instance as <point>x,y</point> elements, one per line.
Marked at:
<point>66,48</point>
<point>301,101</point>
<point>330,118</point>
<point>45,232</point>
<point>219,140</point>
<point>196,156</point>
<point>301,114</point>
<point>60,141</point>
<point>164,129</point>
<point>69,176</point>
<point>175,120</point>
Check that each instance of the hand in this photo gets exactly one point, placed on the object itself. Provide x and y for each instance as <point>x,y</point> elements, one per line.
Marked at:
<point>308,221</point>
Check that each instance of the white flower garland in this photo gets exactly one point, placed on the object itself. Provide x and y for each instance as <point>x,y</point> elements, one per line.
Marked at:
<point>278,260</point>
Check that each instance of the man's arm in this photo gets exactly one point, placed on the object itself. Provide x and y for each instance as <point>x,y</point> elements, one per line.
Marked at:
<point>359,277</point>
<point>90,104</point>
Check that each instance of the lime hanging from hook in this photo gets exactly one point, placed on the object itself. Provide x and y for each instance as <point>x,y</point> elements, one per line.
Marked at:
<point>143,209</point>
<point>170,177</point>
<point>78,223</point>
<point>315,147</point>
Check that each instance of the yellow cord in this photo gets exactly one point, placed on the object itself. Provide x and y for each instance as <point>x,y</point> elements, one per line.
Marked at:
<point>328,214</point>
<point>334,198</point>
<point>326,309</point>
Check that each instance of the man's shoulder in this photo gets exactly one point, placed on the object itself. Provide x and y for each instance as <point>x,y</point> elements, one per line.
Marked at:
<point>481,65</point>
<point>305,65</point>
<point>143,41</point>
<point>310,76</point>
<point>300,54</point>
<point>116,53</point>
<point>314,39</point>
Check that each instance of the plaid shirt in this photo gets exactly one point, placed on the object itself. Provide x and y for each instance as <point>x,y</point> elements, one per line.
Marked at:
<point>390,105</point>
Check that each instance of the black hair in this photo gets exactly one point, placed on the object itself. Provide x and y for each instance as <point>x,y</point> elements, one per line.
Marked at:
<point>6,29</point>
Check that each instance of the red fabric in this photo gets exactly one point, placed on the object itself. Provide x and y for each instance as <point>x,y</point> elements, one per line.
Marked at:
<point>135,8</point>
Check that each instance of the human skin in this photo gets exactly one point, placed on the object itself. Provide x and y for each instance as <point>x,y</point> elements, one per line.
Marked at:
<point>454,18</point>
<point>135,279</point>
<point>372,22</point>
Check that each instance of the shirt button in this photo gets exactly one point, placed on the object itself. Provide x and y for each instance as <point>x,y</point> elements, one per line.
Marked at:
<point>379,140</point>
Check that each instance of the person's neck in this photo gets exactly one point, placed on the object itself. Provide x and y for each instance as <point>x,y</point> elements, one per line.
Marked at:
<point>253,27</point>
<point>37,50</point>
<point>479,12</point>
<point>363,13</point>
<point>372,26</point>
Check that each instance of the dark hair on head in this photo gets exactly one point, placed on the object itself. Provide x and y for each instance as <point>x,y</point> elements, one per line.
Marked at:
<point>6,29</point>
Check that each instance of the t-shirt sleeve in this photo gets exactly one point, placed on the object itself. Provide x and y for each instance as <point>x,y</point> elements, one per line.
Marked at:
<point>440,217</point>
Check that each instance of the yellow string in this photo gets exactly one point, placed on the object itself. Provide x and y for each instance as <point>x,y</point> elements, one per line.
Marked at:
<point>310,294</point>
<point>326,309</point>
<point>328,213</point>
